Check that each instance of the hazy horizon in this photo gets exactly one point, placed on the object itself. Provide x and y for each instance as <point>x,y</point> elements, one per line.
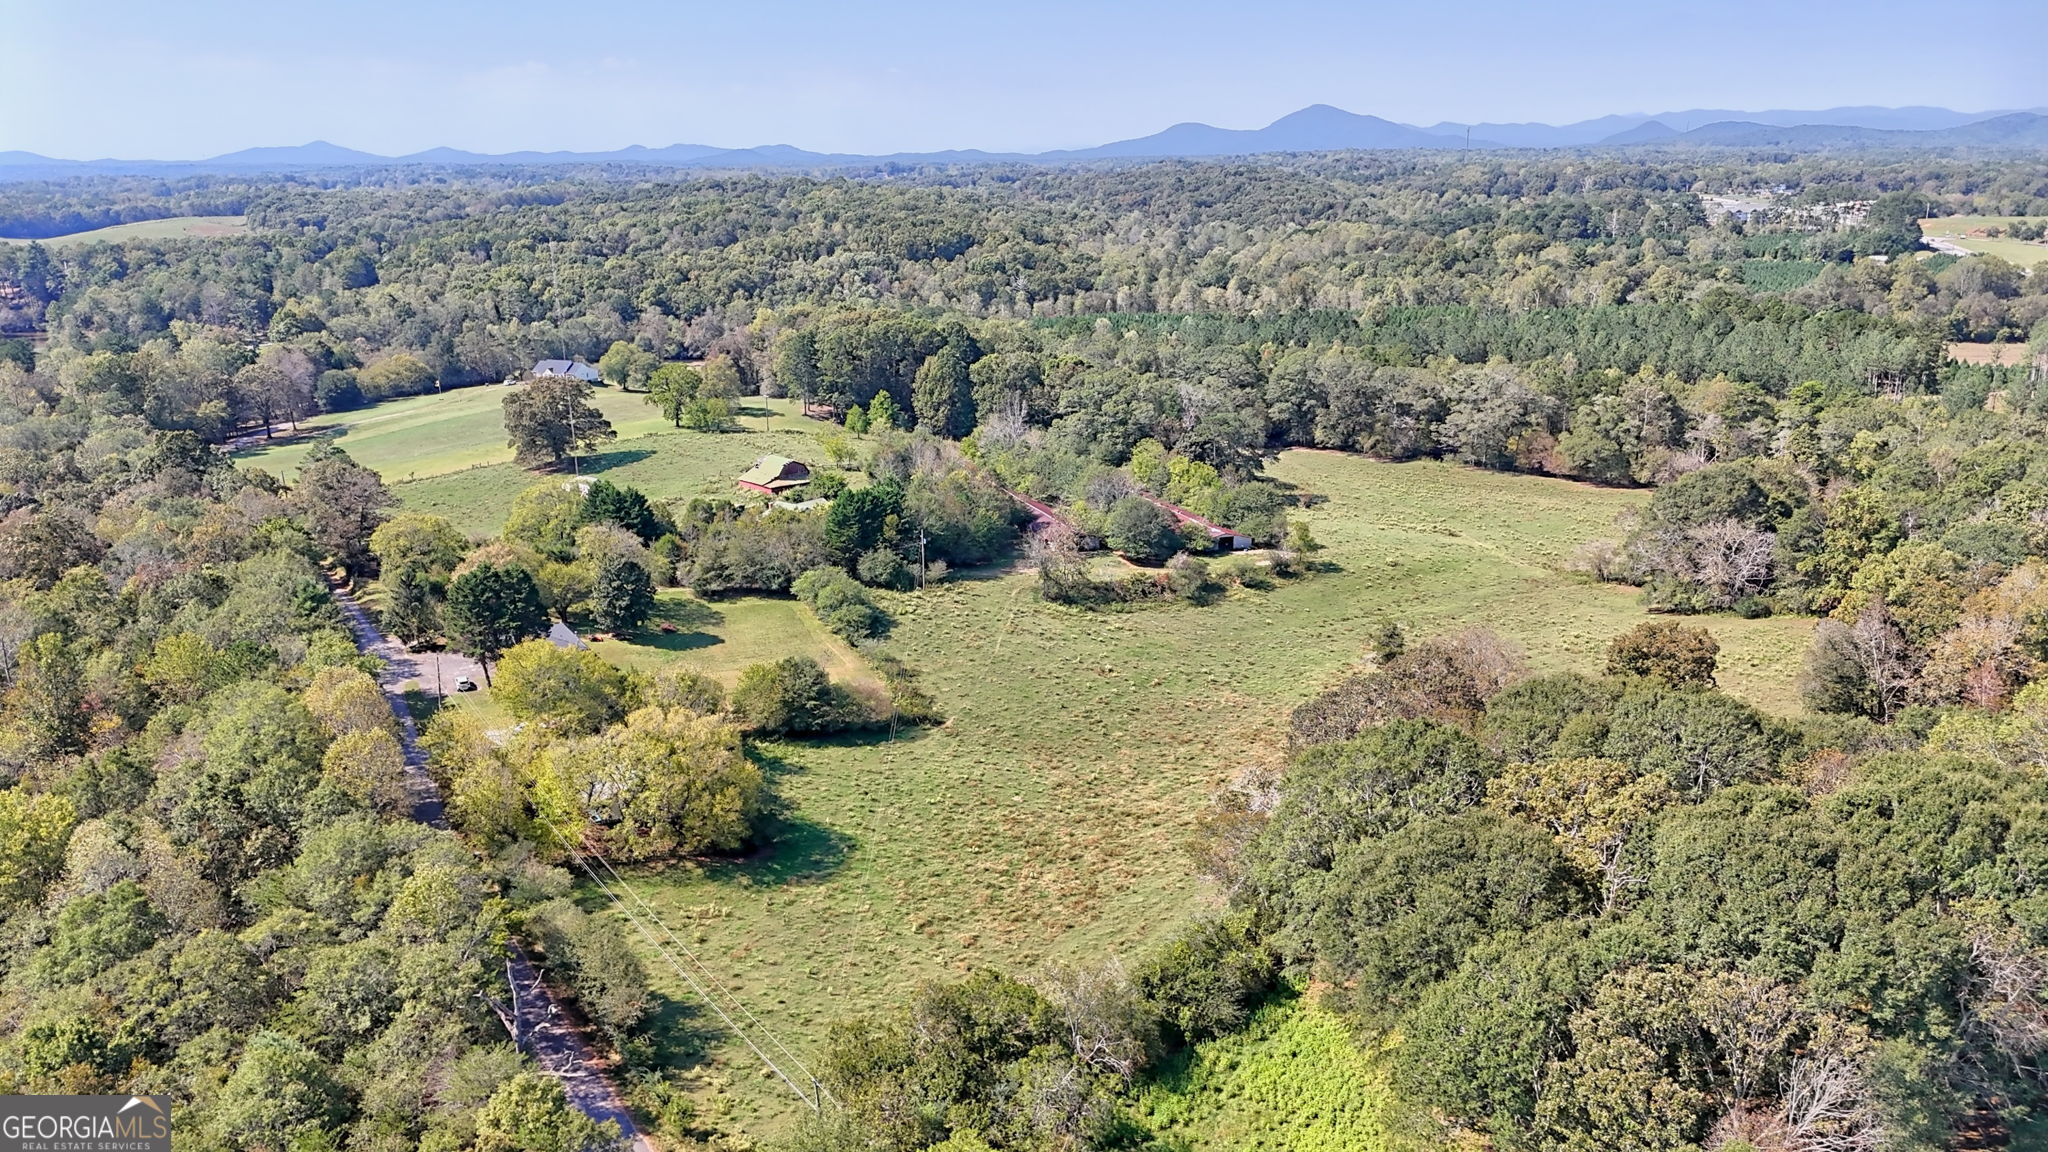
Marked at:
<point>184,83</point>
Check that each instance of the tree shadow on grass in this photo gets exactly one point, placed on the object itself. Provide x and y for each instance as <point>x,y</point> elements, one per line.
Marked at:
<point>995,569</point>
<point>1176,1071</point>
<point>860,737</point>
<point>787,847</point>
<point>687,619</point>
<point>682,1031</point>
<point>794,850</point>
<point>618,458</point>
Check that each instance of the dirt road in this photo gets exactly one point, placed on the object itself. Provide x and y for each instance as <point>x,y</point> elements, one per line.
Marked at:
<point>540,1028</point>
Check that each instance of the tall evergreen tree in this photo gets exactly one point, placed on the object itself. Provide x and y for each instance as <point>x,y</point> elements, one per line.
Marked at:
<point>609,503</point>
<point>944,394</point>
<point>491,608</point>
<point>623,597</point>
<point>410,612</point>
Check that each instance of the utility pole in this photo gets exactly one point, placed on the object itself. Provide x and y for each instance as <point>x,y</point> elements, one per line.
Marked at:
<point>920,559</point>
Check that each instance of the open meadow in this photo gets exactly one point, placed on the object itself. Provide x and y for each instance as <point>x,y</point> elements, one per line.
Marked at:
<point>169,228</point>
<point>724,637</point>
<point>1047,818</point>
<point>458,439</point>
<point>1967,232</point>
<point>2006,355</point>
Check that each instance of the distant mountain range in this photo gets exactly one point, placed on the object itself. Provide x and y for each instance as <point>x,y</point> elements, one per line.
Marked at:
<point>1317,128</point>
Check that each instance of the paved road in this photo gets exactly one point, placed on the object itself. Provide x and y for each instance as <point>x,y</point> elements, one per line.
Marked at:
<point>540,1028</point>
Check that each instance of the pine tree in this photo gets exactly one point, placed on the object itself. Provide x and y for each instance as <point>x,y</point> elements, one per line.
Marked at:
<point>608,503</point>
<point>623,597</point>
<point>944,394</point>
<point>884,413</point>
<point>492,608</point>
<point>410,612</point>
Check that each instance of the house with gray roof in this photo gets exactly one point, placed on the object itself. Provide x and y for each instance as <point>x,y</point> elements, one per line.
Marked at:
<point>575,368</point>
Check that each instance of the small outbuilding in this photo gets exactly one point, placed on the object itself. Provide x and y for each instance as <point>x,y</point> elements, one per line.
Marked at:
<point>573,368</point>
<point>563,636</point>
<point>774,475</point>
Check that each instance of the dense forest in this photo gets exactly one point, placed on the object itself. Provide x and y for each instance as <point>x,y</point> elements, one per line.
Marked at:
<point>1598,912</point>
<point>1625,911</point>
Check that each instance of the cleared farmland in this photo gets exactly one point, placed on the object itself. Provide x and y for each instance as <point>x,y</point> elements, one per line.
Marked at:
<point>1045,819</point>
<point>1968,232</point>
<point>170,228</point>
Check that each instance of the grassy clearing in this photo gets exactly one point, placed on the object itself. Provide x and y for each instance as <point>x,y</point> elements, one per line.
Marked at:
<point>2008,355</point>
<point>1045,819</point>
<point>474,480</point>
<point>1293,1081</point>
<point>666,466</point>
<point>1967,232</point>
<point>421,437</point>
<point>174,228</point>
<point>722,638</point>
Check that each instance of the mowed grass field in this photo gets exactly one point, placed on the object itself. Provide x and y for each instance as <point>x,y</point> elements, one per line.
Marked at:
<point>724,637</point>
<point>1046,819</point>
<point>1964,230</point>
<point>173,228</point>
<point>458,438</point>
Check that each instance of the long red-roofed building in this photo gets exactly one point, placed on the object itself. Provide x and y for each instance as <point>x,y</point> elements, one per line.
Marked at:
<point>1226,539</point>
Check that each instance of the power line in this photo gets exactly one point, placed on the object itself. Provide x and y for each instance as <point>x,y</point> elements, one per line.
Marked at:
<point>695,985</point>
<point>711,977</point>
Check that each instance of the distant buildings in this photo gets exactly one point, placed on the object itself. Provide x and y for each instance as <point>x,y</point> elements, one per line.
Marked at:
<point>575,368</point>
<point>774,475</point>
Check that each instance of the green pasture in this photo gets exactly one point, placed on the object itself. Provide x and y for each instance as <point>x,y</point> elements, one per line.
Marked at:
<point>1963,231</point>
<point>724,637</point>
<point>454,442</point>
<point>1046,819</point>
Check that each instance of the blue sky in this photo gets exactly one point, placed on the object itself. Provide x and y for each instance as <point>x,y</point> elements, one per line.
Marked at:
<point>151,79</point>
